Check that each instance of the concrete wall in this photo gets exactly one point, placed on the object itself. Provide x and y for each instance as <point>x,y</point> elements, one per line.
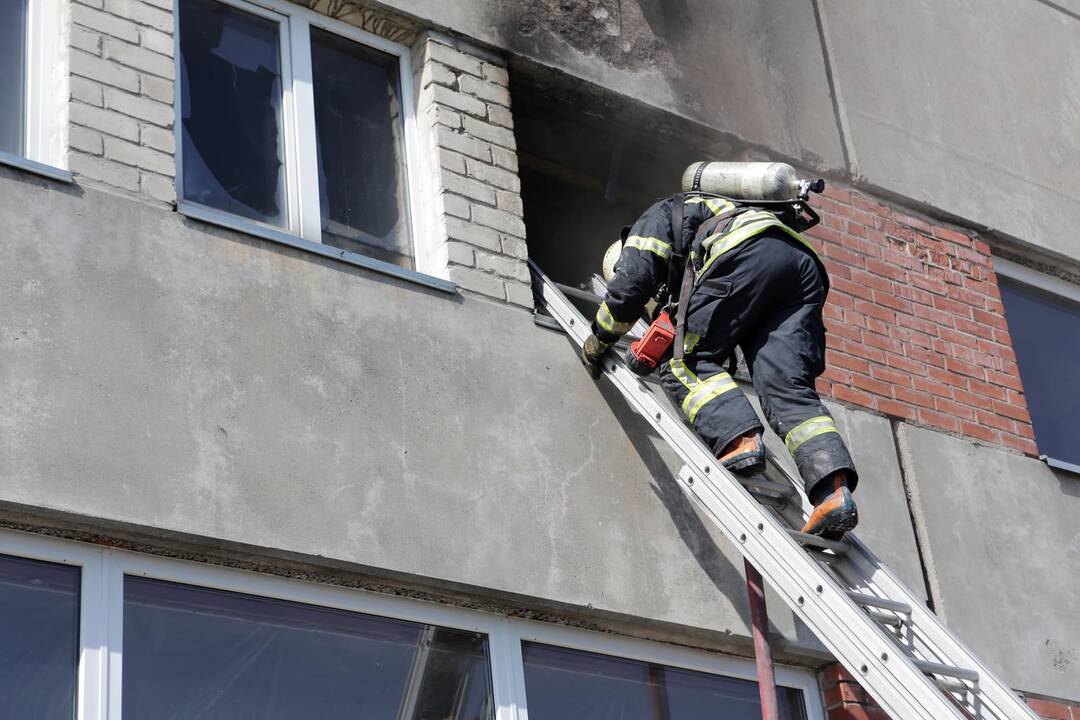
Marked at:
<point>172,377</point>
<point>1003,546</point>
<point>970,107</point>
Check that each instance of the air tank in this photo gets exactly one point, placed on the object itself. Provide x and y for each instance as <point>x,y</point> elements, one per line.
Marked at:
<point>743,180</point>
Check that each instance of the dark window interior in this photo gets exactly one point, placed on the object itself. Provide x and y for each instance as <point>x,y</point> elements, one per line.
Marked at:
<point>563,683</point>
<point>12,75</point>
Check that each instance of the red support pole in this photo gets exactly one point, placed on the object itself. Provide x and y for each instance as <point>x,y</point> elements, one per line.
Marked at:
<point>759,621</point>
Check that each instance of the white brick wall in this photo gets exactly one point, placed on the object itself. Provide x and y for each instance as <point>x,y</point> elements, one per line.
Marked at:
<point>465,123</point>
<point>121,92</point>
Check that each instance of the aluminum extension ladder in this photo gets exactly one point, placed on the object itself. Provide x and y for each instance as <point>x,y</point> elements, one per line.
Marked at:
<point>905,658</point>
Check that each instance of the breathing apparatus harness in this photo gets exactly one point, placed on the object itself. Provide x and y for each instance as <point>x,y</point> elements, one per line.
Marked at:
<point>667,330</point>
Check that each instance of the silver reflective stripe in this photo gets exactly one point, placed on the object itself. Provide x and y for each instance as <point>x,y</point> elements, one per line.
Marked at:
<point>684,374</point>
<point>649,244</point>
<point>809,429</point>
<point>609,323</point>
<point>705,392</point>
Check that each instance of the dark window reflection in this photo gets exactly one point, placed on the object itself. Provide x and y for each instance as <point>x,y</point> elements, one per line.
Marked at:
<point>562,683</point>
<point>39,633</point>
<point>361,164</point>
<point>197,653</point>
<point>1045,331</point>
<point>230,111</point>
<point>12,75</point>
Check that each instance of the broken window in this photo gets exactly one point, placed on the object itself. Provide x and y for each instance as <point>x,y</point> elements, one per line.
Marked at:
<point>231,111</point>
<point>194,652</point>
<point>13,29</point>
<point>294,125</point>
<point>40,631</point>
<point>563,683</point>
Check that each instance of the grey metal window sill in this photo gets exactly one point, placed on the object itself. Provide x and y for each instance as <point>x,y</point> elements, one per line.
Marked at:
<point>231,222</point>
<point>33,166</point>
<point>1061,465</point>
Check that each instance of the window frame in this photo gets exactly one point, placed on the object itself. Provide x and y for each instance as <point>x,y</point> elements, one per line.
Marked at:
<point>45,94</point>
<point>304,224</point>
<point>1054,286</point>
<point>101,624</point>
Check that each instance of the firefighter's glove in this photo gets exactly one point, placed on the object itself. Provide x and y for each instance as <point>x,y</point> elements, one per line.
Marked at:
<point>591,353</point>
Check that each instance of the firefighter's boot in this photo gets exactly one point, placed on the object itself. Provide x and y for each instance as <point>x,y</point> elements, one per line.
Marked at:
<point>835,513</point>
<point>745,454</point>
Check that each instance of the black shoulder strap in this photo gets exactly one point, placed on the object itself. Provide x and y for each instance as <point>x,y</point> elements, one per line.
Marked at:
<point>678,253</point>
<point>689,276</point>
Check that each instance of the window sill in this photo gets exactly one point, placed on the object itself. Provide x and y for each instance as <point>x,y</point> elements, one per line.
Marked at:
<point>33,166</point>
<point>231,222</point>
<point>1061,465</point>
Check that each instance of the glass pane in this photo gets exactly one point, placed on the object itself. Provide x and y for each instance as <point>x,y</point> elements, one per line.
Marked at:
<point>1045,331</point>
<point>197,653</point>
<point>39,632</point>
<point>230,74</point>
<point>361,154</point>
<point>562,683</point>
<point>12,75</point>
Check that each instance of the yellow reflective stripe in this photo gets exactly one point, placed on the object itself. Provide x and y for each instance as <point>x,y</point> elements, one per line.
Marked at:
<point>605,320</point>
<point>809,429</point>
<point>717,205</point>
<point>649,244</point>
<point>690,342</point>
<point>684,374</point>
<point>721,243</point>
<point>705,392</point>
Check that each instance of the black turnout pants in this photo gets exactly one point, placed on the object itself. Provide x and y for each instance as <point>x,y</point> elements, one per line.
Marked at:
<point>766,297</point>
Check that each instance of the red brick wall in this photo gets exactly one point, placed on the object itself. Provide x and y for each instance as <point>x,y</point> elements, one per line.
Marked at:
<point>1052,710</point>
<point>845,699</point>
<point>916,326</point>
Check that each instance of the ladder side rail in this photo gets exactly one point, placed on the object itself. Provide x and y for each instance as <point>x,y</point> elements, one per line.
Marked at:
<point>939,643</point>
<point>812,593</point>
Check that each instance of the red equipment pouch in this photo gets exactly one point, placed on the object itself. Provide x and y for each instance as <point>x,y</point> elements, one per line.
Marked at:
<point>645,354</point>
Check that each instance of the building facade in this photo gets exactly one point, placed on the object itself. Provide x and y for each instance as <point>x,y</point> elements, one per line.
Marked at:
<point>281,435</point>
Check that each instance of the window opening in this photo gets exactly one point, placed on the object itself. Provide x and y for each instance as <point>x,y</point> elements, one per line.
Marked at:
<point>199,652</point>
<point>1045,332</point>
<point>39,627</point>
<point>562,683</point>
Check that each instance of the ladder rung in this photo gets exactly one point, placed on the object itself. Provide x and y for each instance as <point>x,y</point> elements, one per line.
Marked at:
<point>802,538</point>
<point>885,618</point>
<point>882,603</point>
<point>952,686</point>
<point>771,486</point>
<point>933,668</point>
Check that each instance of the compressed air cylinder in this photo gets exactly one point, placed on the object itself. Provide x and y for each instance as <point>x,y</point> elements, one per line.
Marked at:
<point>743,180</point>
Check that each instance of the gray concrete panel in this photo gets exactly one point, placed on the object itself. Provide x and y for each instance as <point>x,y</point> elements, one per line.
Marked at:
<point>1004,541</point>
<point>752,69</point>
<point>969,106</point>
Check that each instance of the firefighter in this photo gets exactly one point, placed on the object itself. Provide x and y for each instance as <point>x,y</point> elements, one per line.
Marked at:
<point>759,286</point>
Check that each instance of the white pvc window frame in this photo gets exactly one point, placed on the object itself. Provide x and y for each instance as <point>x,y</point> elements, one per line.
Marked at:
<point>101,625</point>
<point>300,159</point>
<point>46,93</point>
